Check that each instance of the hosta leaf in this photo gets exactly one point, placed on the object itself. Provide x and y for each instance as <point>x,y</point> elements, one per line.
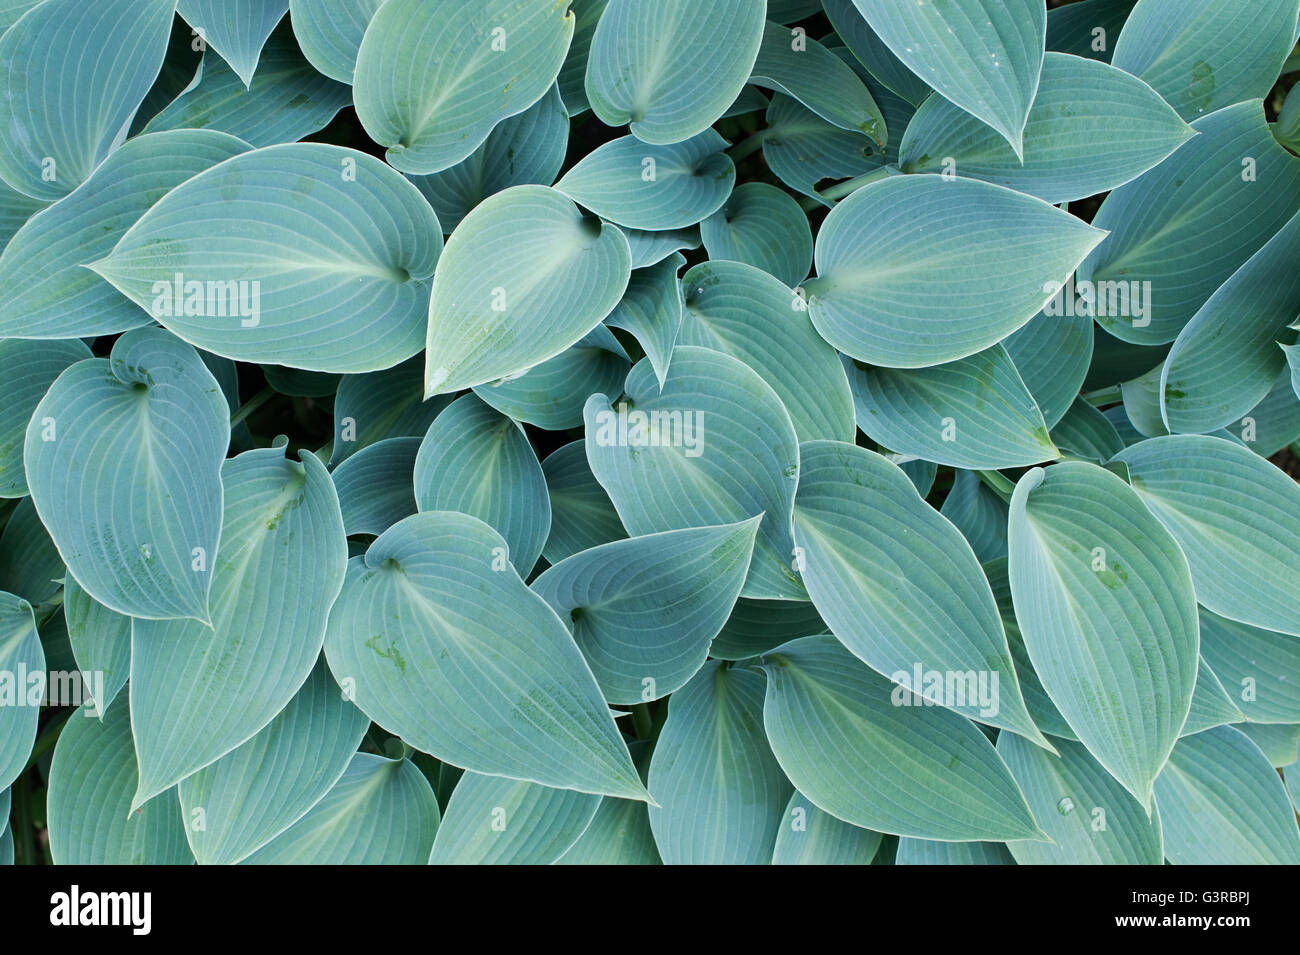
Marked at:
<point>287,100</point>
<point>10,11</point>
<point>721,793</point>
<point>301,384</point>
<point>1226,359</point>
<point>91,818</point>
<point>761,226</point>
<point>1188,224</point>
<point>1202,55</point>
<point>237,29</point>
<point>1211,705</point>
<point>906,291</point>
<point>790,63</point>
<point>30,565</point>
<point>619,834</point>
<point>573,74</point>
<point>872,52</point>
<point>280,774</point>
<point>123,456</point>
<point>927,852</point>
<point>381,812</point>
<point>802,149</point>
<point>492,820</point>
<point>27,369</point>
<point>63,109</point>
<point>899,586</point>
<point>652,310</point>
<point>1085,432</point>
<point>756,626</point>
<point>525,148</point>
<point>101,642</point>
<point>670,68</point>
<point>651,248</point>
<point>723,450</point>
<point>1091,128</point>
<point>809,836</point>
<point>644,610</point>
<point>739,310</point>
<point>1280,743</point>
<point>909,770</point>
<point>582,515</point>
<point>21,658</point>
<point>15,209</point>
<point>279,569</point>
<point>330,31</point>
<point>433,77</point>
<point>466,664</point>
<point>382,404</point>
<point>551,395</point>
<point>653,187</point>
<point>979,514</point>
<point>983,55</point>
<point>477,461</point>
<point>1087,27</point>
<point>1235,516</point>
<point>304,254</point>
<point>376,486</point>
<point>554,275</point>
<point>974,412</point>
<point>1221,803</point>
<point>1257,667</point>
<point>1091,818</point>
<point>48,292</point>
<point>1106,607</point>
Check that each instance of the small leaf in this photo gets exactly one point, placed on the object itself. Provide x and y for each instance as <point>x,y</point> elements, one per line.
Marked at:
<point>491,820</point>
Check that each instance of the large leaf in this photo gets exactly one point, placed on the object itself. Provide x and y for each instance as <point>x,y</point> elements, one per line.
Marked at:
<point>762,226</point>
<point>1203,55</point>
<point>1052,354</point>
<point>382,404</point>
<point>1105,603</point>
<point>744,312</point>
<point>871,51</point>
<point>237,29</point>
<point>92,820</point>
<point>582,515</point>
<point>245,260</point>
<point>100,641</point>
<point>909,770</point>
<point>48,292</point>
<point>1256,667</point>
<point>1221,803</point>
<point>492,820</point>
<point>974,412</point>
<point>64,109</point>
<point>721,793</point>
<point>279,569</point>
<point>21,660</point>
<point>652,310</point>
<point>376,486</point>
<point>330,31</point>
<point>1226,359</point>
<point>123,456</point>
<point>928,852</point>
<point>528,147</point>
<point>30,565</point>
<point>1091,818</point>
<point>809,836</point>
<point>756,626</point>
<point>983,55</point>
<point>477,461</point>
<point>433,77</point>
<point>653,187</point>
<point>27,369</point>
<point>381,812</point>
<point>1091,128</point>
<point>445,646</point>
<point>573,75</point>
<point>802,149</point>
<point>644,610</point>
<point>910,289</point>
<point>555,274</point>
<point>1188,224</point>
<point>900,587</point>
<point>714,446</point>
<point>1235,516</point>
<point>252,794</point>
<point>670,68</point>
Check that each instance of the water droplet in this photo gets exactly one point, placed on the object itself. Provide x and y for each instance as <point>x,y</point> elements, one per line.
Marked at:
<point>1065,806</point>
<point>146,550</point>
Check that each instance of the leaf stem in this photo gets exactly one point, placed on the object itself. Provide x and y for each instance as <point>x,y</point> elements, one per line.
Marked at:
<point>998,484</point>
<point>1104,396</point>
<point>842,189</point>
<point>748,146</point>
<point>252,404</point>
<point>23,826</point>
<point>642,722</point>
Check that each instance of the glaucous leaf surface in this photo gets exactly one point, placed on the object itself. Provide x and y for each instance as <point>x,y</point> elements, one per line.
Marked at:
<point>20,653</point>
<point>27,368</point>
<point>809,836</point>
<point>329,32</point>
<point>237,29</point>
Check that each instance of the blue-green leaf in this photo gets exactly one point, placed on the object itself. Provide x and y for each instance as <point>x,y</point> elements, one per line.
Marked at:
<point>101,643</point>
<point>382,404</point>
<point>22,663</point>
<point>376,486</point>
<point>27,369</point>
<point>237,29</point>
<point>330,31</point>
<point>761,226</point>
<point>927,852</point>
<point>809,836</point>
<point>1256,667</point>
<point>757,626</point>
<point>123,456</point>
<point>582,515</point>
<point>652,310</point>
